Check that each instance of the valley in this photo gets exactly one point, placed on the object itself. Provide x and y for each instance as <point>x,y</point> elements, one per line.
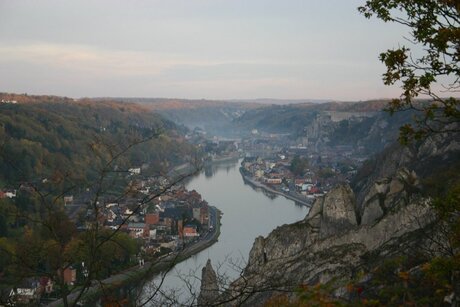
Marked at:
<point>229,153</point>
<point>152,172</point>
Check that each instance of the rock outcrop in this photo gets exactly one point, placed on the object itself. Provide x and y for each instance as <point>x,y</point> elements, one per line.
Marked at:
<point>333,239</point>
<point>388,194</point>
<point>347,230</point>
<point>209,290</point>
<point>433,155</point>
<point>338,211</point>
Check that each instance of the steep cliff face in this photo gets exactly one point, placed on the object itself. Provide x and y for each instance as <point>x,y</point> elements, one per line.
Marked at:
<point>348,230</point>
<point>387,194</point>
<point>320,127</point>
<point>384,214</point>
<point>330,242</point>
<point>434,155</point>
<point>378,170</point>
<point>338,212</point>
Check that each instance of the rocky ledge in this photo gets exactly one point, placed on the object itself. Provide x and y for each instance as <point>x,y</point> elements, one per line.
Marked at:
<point>332,242</point>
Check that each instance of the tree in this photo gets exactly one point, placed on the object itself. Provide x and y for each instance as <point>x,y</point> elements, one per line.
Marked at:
<point>431,70</point>
<point>299,165</point>
<point>434,26</point>
<point>50,244</point>
<point>38,239</point>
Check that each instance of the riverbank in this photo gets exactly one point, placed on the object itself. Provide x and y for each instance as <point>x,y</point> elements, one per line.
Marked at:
<point>189,168</point>
<point>257,184</point>
<point>183,169</point>
<point>138,273</point>
<point>244,208</point>
<point>222,159</point>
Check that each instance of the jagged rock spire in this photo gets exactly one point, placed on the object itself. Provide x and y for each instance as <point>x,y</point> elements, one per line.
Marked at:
<point>209,290</point>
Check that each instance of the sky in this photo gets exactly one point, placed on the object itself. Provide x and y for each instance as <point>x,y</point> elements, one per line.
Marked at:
<point>211,49</point>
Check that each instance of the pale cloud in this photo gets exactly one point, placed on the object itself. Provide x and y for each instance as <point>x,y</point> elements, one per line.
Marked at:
<point>104,62</point>
<point>192,49</point>
<point>82,68</point>
<point>97,61</point>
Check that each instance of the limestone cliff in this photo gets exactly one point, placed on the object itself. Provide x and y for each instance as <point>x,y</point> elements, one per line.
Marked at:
<point>209,290</point>
<point>435,154</point>
<point>350,230</point>
<point>330,243</point>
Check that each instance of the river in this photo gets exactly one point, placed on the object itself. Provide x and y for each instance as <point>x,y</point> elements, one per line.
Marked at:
<point>247,213</point>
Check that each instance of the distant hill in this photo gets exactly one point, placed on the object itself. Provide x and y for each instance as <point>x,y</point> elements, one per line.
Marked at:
<point>48,136</point>
<point>277,119</point>
<point>280,101</point>
<point>238,117</point>
<point>293,118</point>
<point>214,116</point>
<point>176,103</point>
<point>362,124</point>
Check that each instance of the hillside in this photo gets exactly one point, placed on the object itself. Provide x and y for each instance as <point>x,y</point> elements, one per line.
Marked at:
<point>177,104</point>
<point>362,125</point>
<point>293,118</point>
<point>46,136</point>
<point>216,117</point>
<point>240,117</point>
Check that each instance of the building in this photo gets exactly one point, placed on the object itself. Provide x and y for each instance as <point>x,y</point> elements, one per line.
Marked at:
<point>138,230</point>
<point>152,218</point>
<point>197,214</point>
<point>273,180</point>
<point>70,276</point>
<point>10,193</point>
<point>27,293</point>
<point>135,171</point>
<point>180,229</point>
<point>152,233</point>
<point>68,200</point>
<point>190,231</point>
<point>46,285</point>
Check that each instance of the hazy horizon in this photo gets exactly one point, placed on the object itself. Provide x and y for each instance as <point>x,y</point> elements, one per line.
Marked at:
<point>202,49</point>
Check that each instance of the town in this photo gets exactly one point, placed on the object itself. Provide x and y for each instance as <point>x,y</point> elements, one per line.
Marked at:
<point>298,168</point>
<point>160,215</point>
<point>163,217</point>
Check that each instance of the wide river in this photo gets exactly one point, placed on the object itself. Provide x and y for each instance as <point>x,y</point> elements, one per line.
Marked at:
<point>247,213</point>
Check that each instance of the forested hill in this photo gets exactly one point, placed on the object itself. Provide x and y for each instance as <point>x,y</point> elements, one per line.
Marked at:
<point>236,118</point>
<point>44,137</point>
<point>216,117</point>
<point>293,118</point>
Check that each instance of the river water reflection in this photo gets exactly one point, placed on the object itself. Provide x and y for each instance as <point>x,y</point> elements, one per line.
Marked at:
<point>247,213</point>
